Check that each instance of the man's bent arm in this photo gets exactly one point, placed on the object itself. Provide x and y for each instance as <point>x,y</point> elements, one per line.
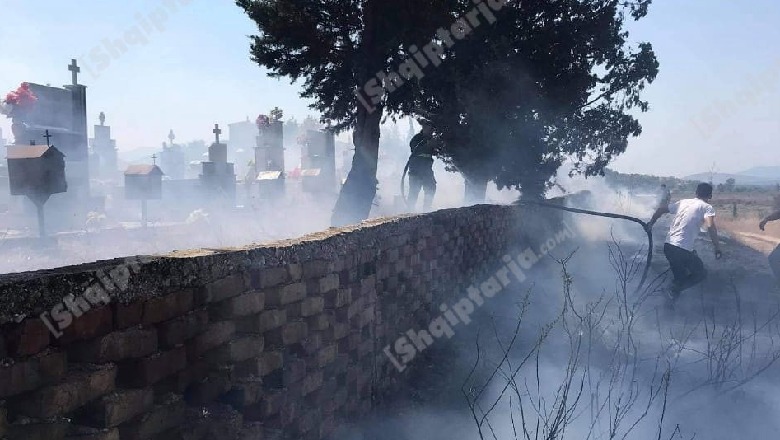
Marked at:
<point>713,229</point>
<point>770,218</point>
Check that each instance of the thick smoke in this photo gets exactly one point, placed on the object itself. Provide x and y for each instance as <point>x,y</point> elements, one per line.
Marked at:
<point>187,218</point>
<point>612,361</point>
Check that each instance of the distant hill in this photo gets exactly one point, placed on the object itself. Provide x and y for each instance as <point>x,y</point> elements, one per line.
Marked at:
<point>740,179</point>
<point>769,172</point>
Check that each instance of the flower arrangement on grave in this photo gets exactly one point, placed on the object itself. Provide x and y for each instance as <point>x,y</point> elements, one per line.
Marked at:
<point>18,101</point>
<point>276,114</point>
<point>263,122</point>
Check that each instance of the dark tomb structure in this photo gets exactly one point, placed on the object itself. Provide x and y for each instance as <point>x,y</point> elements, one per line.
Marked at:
<point>143,182</point>
<point>318,162</point>
<point>37,172</point>
<point>269,157</point>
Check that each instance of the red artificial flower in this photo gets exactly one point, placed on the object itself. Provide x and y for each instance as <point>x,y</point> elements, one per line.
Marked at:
<point>23,96</point>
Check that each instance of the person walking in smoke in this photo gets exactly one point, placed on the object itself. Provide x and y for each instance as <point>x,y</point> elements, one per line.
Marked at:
<point>689,216</point>
<point>420,167</point>
<point>774,257</point>
<point>664,196</point>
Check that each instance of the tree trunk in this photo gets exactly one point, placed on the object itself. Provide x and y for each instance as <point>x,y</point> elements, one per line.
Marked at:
<point>475,190</point>
<point>532,187</point>
<point>357,195</point>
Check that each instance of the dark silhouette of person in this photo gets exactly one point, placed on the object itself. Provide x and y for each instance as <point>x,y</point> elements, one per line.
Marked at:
<point>421,167</point>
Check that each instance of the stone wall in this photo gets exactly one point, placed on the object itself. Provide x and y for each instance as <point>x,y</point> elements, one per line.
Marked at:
<point>272,341</point>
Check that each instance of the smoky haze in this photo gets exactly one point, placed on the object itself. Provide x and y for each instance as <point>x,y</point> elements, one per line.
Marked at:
<point>592,358</point>
<point>186,218</point>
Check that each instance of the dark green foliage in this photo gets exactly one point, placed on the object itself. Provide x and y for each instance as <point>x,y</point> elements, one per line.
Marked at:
<point>335,47</point>
<point>549,81</point>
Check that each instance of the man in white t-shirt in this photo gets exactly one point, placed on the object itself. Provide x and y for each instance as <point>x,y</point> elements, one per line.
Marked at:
<point>689,217</point>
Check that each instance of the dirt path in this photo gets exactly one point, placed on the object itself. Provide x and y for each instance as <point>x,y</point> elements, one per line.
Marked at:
<point>747,233</point>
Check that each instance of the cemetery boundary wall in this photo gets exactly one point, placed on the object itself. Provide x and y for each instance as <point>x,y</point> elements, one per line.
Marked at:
<point>283,340</point>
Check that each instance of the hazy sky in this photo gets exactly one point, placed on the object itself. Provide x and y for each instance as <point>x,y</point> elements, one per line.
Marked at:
<point>714,101</point>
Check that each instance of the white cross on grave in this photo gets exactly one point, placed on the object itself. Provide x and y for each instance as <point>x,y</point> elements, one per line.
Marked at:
<point>217,131</point>
<point>74,69</point>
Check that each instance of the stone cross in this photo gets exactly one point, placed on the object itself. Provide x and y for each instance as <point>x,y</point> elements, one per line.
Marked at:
<point>48,138</point>
<point>171,137</point>
<point>217,131</point>
<point>154,159</point>
<point>74,69</point>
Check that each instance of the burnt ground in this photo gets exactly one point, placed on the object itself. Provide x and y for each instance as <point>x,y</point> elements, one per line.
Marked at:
<point>740,296</point>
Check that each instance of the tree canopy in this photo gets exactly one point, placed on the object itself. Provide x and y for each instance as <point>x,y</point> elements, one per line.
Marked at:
<point>515,88</point>
<point>547,82</point>
<point>335,48</point>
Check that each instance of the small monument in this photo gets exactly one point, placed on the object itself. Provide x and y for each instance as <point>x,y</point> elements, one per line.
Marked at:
<point>36,171</point>
<point>269,155</point>
<point>143,182</point>
<point>318,161</point>
<point>172,159</point>
<point>219,177</point>
<point>104,154</point>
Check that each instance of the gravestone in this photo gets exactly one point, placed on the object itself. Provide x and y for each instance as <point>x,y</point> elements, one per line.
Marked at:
<point>270,184</point>
<point>218,177</point>
<point>172,159</point>
<point>104,154</point>
<point>269,158</point>
<point>269,153</point>
<point>318,162</point>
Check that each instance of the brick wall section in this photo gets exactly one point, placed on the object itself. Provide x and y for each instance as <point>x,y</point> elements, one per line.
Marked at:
<point>275,341</point>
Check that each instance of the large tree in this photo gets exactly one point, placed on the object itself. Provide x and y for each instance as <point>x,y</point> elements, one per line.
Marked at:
<point>335,47</point>
<point>548,81</point>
